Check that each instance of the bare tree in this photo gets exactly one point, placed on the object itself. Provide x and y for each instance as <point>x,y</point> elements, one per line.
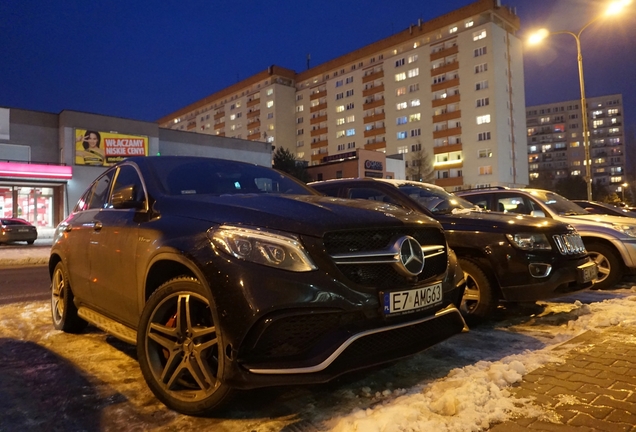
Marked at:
<point>420,167</point>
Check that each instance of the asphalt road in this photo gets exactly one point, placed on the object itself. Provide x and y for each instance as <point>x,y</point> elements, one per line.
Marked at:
<point>19,284</point>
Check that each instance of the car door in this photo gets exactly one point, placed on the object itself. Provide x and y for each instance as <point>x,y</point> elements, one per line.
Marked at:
<point>112,250</point>
<point>78,232</point>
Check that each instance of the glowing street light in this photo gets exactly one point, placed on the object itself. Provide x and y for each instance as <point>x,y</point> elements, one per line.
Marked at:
<point>623,187</point>
<point>613,9</point>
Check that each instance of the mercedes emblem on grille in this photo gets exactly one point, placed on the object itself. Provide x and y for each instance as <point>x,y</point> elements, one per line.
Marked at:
<point>411,258</point>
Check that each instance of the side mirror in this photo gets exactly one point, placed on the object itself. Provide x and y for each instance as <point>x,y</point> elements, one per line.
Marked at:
<point>125,198</point>
<point>537,213</point>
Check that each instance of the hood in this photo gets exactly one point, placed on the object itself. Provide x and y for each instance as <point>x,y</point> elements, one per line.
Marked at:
<point>601,219</point>
<point>499,222</point>
<point>302,214</point>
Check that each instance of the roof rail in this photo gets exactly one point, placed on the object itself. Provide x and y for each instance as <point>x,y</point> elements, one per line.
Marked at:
<point>484,188</point>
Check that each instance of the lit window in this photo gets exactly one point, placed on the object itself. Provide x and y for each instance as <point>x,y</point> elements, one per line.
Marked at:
<point>269,93</point>
<point>401,106</point>
<point>485,153</point>
<point>415,102</point>
<point>299,108</point>
<point>479,35</point>
<point>340,108</point>
<point>351,119</point>
<point>403,149</point>
<point>414,72</point>
<point>412,58</point>
<point>350,132</point>
<point>401,120</point>
<point>485,170</point>
<point>401,91</point>
<point>415,117</point>
<point>483,119</point>
<point>401,135</point>
<point>452,29</point>
<point>270,104</point>
<point>340,121</point>
<point>400,77</point>
<point>340,134</point>
<point>468,24</point>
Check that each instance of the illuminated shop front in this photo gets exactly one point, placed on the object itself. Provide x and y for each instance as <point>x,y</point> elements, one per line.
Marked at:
<point>33,192</point>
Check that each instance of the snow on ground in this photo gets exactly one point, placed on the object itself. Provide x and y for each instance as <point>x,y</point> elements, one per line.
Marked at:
<point>462,384</point>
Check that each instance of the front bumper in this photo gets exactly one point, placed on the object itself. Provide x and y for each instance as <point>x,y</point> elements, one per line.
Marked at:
<point>560,281</point>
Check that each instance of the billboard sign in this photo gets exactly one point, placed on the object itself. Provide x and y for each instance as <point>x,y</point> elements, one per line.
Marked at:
<point>107,148</point>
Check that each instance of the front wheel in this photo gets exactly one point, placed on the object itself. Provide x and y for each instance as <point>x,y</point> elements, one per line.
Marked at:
<point>179,348</point>
<point>610,265</point>
<point>63,310</point>
<point>480,299</point>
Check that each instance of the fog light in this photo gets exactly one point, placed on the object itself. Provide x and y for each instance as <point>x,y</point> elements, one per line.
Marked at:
<point>539,270</point>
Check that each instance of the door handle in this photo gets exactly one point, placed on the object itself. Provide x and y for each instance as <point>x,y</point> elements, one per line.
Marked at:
<point>97,226</point>
<point>68,228</point>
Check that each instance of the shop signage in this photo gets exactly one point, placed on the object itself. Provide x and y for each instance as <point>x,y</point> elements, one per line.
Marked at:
<point>373,165</point>
<point>107,148</point>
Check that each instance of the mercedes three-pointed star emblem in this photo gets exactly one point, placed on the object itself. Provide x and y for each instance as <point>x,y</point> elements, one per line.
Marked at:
<point>411,261</point>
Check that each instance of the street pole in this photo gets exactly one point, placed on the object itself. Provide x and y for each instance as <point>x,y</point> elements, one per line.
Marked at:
<point>586,130</point>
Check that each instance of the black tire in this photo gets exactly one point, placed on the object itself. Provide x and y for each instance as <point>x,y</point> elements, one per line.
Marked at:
<point>610,265</point>
<point>179,347</point>
<point>30,242</point>
<point>63,310</point>
<point>480,299</point>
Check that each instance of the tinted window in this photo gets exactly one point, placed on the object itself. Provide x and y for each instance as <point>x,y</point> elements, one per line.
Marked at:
<point>195,177</point>
<point>101,187</point>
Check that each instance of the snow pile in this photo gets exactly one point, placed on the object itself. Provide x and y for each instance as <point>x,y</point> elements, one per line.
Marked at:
<point>468,399</point>
<point>24,256</point>
<point>473,397</point>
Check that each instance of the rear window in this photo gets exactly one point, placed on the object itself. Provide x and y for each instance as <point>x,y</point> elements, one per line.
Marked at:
<point>14,222</point>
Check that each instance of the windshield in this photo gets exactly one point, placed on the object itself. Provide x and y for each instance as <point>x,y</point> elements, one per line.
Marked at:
<point>438,201</point>
<point>201,176</point>
<point>559,204</point>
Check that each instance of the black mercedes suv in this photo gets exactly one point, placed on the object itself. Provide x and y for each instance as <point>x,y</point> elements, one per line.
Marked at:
<point>512,258</point>
<point>227,276</point>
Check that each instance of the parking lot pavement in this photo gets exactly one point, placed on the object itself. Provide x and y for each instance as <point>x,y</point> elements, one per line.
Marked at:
<point>593,389</point>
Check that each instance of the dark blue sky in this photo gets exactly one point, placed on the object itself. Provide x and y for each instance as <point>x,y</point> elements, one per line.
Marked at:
<point>145,59</point>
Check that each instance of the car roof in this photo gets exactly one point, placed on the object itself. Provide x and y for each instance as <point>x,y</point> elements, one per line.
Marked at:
<point>394,182</point>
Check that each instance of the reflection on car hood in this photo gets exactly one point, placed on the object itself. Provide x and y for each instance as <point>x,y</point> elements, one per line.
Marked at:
<point>494,221</point>
<point>291,213</point>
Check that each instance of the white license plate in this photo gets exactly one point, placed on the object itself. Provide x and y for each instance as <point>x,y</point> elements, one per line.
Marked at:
<point>23,230</point>
<point>588,273</point>
<point>397,302</point>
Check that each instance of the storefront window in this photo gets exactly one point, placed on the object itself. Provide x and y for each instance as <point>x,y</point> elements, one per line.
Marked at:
<point>35,205</point>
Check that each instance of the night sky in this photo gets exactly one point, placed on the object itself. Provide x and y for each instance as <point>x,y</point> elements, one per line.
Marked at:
<point>146,59</point>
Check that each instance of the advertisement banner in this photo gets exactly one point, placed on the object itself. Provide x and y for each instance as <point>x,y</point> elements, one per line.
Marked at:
<point>105,148</point>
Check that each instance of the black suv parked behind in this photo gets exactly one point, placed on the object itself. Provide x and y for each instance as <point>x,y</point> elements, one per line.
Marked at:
<point>514,258</point>
<point>229,275</point>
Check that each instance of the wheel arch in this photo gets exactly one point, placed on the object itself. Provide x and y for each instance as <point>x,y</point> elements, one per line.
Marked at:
<point>607,243</point>
<point>167,266</point>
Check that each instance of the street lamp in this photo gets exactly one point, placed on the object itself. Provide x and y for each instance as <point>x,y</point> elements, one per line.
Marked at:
<point>613,9</point>
<point>623,187</point>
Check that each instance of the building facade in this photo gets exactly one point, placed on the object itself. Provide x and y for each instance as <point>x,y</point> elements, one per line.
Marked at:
<point>556,148</point>
<point>450,88</point>
<point>46,161</point>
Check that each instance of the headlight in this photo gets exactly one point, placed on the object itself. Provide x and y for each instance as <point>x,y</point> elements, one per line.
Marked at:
<point>262,247</point>
<point>529,241</point>
<point>628,230</point>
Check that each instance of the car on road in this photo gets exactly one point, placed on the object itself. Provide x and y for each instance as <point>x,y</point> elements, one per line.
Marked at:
<point>228,275</point>
<point>16,229</point>
<point>595,207</point>
<point>512,258</point>
<point>610,240</point>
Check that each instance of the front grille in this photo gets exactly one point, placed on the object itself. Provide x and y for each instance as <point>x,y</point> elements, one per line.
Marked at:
<point>569,244</point>
<point>383,275</point>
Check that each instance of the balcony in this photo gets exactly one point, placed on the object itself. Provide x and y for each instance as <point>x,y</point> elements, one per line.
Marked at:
<point>318,157</point>
<point>219,115</point>
<point>447,148</point>
<point>375,145</point>
<point>318,107</point>
<point>374,132</point>
<point>255,136</point>
<point>450,181</point>
<point>254,113</point>
<point>253,102</point>
<point>219,126</point>
<point>374,118</point>
<point>447,132</point>
<point>445,84</point>
<point>316,95</point>
<point>447,116</point>
<point>372,76</point>
<point>317,132</point>
<point>447,67</point>
<point>318,119</point>
<point>373,90</point>
<point>445,52</point>
<point>373,104</point>
<point>319,144</point>
<point>445,101</point>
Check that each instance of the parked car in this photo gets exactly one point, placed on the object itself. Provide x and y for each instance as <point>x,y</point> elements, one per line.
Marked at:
<point>227,275</point>
<point>595,207</point>
<point>610,240</point>
<point>512,258</point>
<point>15,229</point>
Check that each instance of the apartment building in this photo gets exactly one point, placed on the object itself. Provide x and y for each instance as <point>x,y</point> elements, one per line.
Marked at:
<point>555,141</point>
<point>449,90</point>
